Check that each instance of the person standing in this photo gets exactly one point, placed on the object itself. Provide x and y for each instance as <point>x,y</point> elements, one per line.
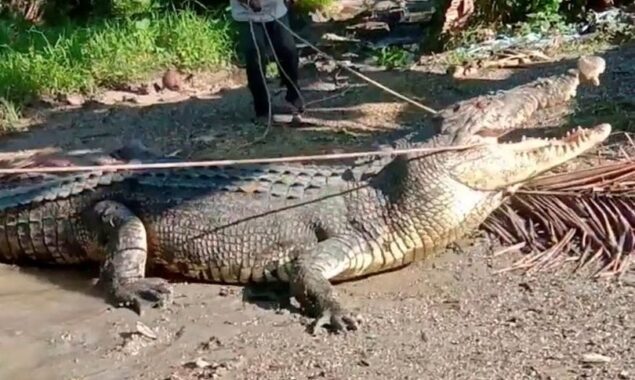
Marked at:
<point>262,14</point>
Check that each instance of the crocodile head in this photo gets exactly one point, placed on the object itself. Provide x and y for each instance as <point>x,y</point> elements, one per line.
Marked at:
<point>449,194</point>
<point>505,166</point>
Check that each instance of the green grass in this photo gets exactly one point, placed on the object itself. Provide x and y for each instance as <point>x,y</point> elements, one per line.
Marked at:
<point>9,116</point>
<point>393,57</point>
<point>36,61</point>
<point>306,6</point>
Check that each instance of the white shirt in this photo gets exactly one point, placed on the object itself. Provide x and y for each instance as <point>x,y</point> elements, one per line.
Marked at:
<point>271,9</point>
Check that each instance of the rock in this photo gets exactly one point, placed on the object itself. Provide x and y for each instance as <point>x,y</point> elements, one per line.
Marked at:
<point>337,38</point>
<point>593,358</point>
<point>368,27</point>
<point>172,80</point>
<point>145,331</point>
<point>198,363</point>
<point>325,66</point>
<point>73,100</point>
<point>384,5</point>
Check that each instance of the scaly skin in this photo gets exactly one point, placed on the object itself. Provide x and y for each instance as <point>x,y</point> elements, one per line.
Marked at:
<point>411,209</point>
<point>417,205</point>
<point>270,222</point>
<point>465,122</point>
<point>506,110</point>
<point>480,117</point>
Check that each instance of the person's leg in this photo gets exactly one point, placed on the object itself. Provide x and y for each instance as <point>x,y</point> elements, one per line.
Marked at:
<point>255,81</point>
<point>285,49</point>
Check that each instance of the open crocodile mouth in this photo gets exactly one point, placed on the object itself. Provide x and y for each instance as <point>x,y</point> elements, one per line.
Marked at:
<point>574,140</point>
<point>579,135</point>
<point>498,166</point>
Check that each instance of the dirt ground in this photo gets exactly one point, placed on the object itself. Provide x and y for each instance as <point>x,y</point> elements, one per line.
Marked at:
<point>448,318</point>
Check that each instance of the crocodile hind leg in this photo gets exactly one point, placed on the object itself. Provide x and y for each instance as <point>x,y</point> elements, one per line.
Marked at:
<point>310,284</point>
<point>122,236</point>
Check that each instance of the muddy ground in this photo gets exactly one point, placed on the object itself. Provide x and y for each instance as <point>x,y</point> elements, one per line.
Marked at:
<point>452,317</point>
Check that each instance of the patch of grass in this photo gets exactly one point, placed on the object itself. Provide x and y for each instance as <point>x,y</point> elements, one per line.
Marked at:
<point>541,22</point>
<point>455,57</point>
<point>306,6</point>
<point>591,46</point>
<point>271,71</point>
<point>43,60</point>
<point>393,57</point>
<point>9,116</point>
<point>537,12</point>
<point>128,8</point>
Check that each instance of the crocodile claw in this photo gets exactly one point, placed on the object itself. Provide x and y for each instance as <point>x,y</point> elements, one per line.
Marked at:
<point>337,321</point>
<point>143,293</point>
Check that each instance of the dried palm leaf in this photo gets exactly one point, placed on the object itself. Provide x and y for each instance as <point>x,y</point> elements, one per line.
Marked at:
<point>584,215</point>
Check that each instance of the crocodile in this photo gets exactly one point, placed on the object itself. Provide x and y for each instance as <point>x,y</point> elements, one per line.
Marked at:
<point>195,224</point>
<point>464,122</point>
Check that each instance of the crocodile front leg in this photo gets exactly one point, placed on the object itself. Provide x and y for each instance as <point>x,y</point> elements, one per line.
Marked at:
<point>310,285</point>
<point>122,236</point>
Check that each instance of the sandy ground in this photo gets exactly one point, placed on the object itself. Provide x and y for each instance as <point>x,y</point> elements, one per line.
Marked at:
<point>451,317</point>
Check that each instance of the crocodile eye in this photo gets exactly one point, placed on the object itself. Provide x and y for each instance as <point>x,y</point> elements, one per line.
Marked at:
<point>348,175</point>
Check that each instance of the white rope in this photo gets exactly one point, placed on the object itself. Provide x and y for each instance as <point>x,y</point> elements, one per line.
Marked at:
<point>192,164</point>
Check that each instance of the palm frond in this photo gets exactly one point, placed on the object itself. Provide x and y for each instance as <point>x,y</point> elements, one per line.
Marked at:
<point>584,215</point>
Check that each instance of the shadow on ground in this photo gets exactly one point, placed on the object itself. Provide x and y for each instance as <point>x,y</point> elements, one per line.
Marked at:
<point>217,125</point>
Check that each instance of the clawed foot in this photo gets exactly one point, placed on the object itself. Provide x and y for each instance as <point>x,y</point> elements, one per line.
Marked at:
<point>142,293</point>
<point>336,321</point>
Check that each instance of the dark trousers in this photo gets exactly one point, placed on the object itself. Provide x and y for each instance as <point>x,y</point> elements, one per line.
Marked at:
<point>284,47</point>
